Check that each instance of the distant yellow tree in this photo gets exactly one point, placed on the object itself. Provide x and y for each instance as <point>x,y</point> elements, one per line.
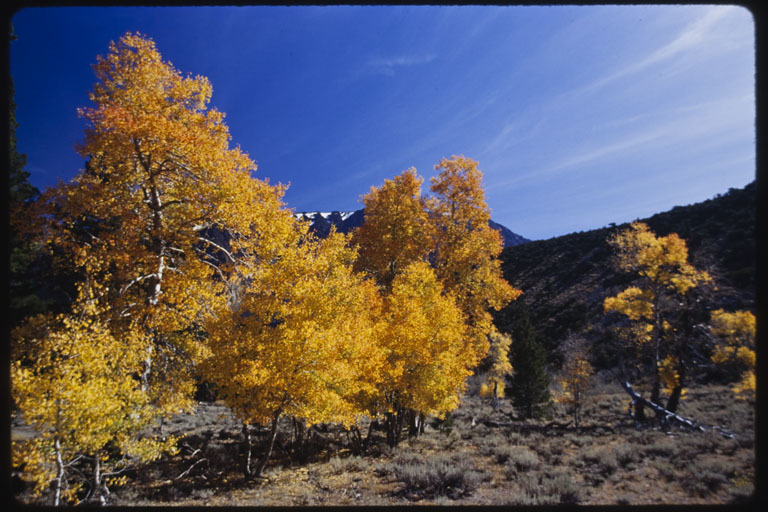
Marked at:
<point>574,378</point>
<point>737,334</point>
<point>500,367</point>
<point>655,306</point>
<point>74,383</point>
<point>425,366</point>
<point>397,230</point>
<point>299,341</point>
<point>467,250</point>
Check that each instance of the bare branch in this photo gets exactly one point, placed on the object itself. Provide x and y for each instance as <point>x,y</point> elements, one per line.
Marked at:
<point>138,279</point>
<point>214,244</point>
<point>190,468</point>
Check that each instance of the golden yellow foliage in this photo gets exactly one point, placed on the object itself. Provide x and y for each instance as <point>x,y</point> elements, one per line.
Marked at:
<point>434,318</point>
<point>737,334</point>
<point>151,228</point>
<point>500,368</point>
<point>670,375</point>
<point>300,340</point>
<point>574,378</point>
<point>637,304</point>
<point>75,384</point>
<point>397,230</point>
<point>467,250</point>
<point>425,367</point>
<point>163,206</point>
<point>659,260</point>
<point>655,305</point>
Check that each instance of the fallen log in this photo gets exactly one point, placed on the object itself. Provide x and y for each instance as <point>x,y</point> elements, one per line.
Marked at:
<point>667,416</point>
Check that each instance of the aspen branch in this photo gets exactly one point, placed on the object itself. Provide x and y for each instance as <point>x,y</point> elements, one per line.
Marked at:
<point>138,279</point>
<point>214,244</point>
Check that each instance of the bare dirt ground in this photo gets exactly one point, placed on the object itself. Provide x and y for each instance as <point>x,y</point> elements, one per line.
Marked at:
<point>485,457</point>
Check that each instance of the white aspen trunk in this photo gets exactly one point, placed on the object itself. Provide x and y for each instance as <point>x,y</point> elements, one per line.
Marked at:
<point>159,248</point>
<point>99,495</point>
<point>247,443</point>
<point>59,473</point>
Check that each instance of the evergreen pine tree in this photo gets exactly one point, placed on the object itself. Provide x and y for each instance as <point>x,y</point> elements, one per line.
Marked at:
<point>530,382</point>
<point>22,256</point>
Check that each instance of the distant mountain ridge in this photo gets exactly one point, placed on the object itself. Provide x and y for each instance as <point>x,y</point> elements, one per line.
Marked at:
<point>346,221</point>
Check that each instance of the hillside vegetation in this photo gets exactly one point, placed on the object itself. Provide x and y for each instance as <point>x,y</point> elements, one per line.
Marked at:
<point>566,279</point>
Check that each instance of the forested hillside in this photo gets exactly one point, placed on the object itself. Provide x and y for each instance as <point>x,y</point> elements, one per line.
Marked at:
<point>565,279</point>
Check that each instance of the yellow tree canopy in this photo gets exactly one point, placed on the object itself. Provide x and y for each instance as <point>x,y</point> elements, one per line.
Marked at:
<point>397,230</point>
<point>300,342</point>
<point>662,261</point>
<point>163,204</point>
<point>75,384</point>
<point>426,366</point>
<point>467,249</point>
<point>736,332</point>
<point>655,305</point>
<point>501,367</point>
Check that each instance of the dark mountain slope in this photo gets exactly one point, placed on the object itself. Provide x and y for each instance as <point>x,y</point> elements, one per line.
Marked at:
<point>565,279</point>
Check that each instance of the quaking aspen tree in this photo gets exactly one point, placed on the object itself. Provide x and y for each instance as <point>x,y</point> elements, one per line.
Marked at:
<point>299,341</point>
<point>163,203</point>
<point>736,334</point>
<point>500,369</point>
<point>450,232</point>
<point>655,307</point>
<point>425,366</point>
<point>74,382</point>
<point>397,230</point>
<point>467,249</point>
<point>150,229</point>
<point>574,377</point>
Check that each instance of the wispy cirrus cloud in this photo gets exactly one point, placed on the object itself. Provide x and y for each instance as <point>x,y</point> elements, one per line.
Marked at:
<point>690,39</point>
<point>388,66</point>
<point>700,123</point>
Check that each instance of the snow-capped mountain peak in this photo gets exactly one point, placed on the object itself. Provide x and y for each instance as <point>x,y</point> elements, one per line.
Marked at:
<point>346,221</point>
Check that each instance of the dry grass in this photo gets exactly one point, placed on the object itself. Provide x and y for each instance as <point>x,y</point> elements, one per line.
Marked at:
<point>505,462</point>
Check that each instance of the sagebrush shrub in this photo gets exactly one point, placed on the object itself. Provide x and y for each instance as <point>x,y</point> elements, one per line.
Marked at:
<point>520,459</point>
<point>662,447</point>
<point>548,487</point>
<point>338,465</point>
<point>438,476</point>
<point>626,454</point>
<point>600,457</point>
<point>449,476</point>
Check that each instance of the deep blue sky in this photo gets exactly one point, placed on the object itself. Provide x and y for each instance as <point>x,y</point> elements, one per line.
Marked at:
<point>578,116</point>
